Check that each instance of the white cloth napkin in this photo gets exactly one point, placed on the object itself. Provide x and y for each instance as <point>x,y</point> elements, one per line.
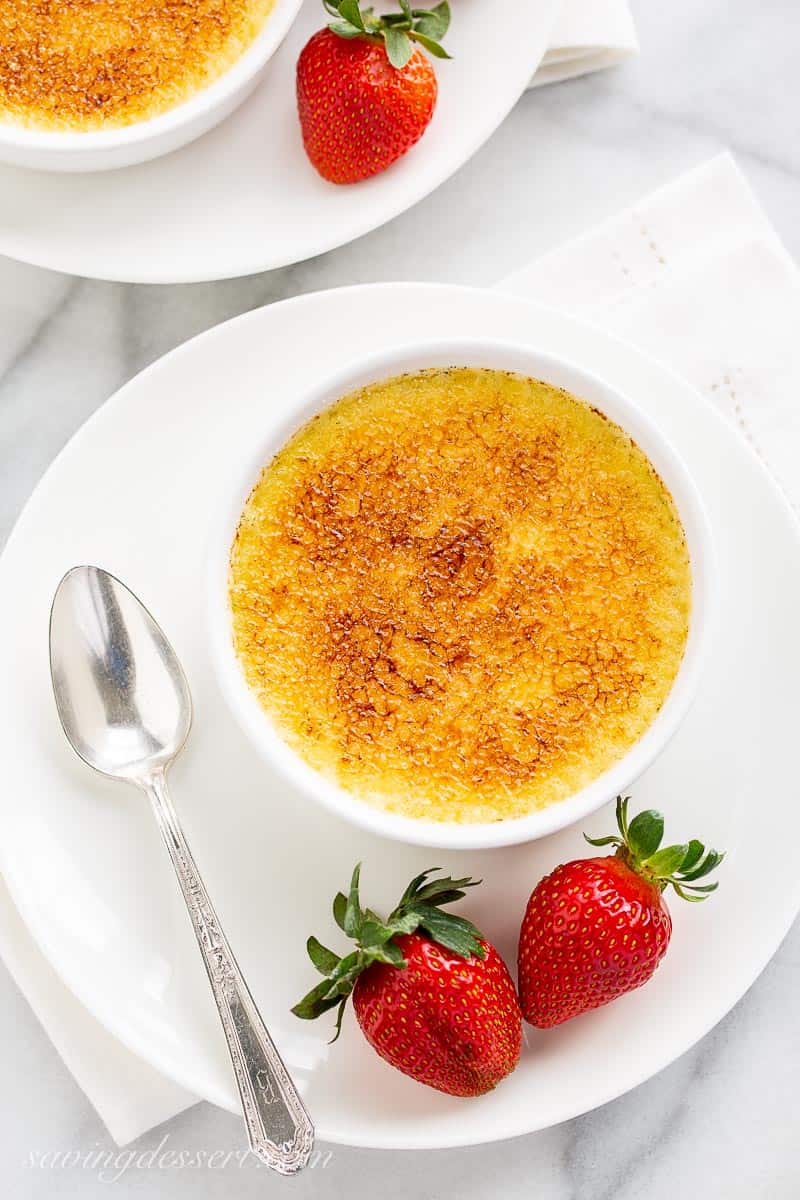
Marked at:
<point>695,275</point>
<point>129,1095</point>
<point>587,36</point>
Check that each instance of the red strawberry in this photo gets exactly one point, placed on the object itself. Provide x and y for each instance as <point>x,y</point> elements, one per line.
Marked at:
<point>437,1004</point>
<point>365,92</point>
<point>598,927</point>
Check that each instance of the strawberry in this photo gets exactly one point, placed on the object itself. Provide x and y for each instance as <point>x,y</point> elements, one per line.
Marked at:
<point>365,91</point>
<point>431,995</point>
<point>598,927</point>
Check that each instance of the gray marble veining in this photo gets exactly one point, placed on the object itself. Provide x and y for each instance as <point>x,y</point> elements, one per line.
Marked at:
<point>722,1121</point>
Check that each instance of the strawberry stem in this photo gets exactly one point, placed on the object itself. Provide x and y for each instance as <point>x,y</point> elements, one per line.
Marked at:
<point>639,845</point>
<point>420,907</point>
<point>398,31</point>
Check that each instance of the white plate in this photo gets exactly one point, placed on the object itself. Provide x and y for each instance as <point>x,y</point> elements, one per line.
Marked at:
<point>136,491</point>
<point>244,198</point>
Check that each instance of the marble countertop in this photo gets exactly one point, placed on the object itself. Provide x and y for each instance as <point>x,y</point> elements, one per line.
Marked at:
<point>722,1120</point>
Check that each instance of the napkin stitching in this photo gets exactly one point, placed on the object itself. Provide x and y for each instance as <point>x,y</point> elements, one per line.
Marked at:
<point>649,237</point>
<point>726,384</point>
<point>735,411</point>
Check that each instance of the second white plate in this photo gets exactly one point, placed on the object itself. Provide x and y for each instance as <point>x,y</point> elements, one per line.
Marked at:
<point>136,491</point>
<point>244,198</point>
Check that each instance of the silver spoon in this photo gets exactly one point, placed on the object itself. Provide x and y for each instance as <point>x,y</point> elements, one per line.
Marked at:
<point>125,707</point>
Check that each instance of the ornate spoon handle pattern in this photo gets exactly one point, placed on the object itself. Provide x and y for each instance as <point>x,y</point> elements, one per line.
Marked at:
<point>279,1129</point>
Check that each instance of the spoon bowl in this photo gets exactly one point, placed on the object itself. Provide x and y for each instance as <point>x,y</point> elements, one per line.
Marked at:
<point>121,693</point>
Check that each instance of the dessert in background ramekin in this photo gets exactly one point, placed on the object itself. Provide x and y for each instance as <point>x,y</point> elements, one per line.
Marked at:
<point>103,85</point>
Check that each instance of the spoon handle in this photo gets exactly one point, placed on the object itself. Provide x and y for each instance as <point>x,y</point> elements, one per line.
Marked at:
<point>279,1129</point>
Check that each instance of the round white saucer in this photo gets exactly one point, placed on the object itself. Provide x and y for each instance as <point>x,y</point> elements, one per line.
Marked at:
<point>135,491</point>
<point>244,197</point>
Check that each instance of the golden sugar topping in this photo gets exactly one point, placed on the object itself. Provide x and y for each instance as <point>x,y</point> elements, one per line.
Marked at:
<point>461,593</point>
<point>88,64</point>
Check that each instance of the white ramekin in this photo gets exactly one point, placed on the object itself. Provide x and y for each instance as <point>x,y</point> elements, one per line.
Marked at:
<point>104,149</point>
<point>503,356</point>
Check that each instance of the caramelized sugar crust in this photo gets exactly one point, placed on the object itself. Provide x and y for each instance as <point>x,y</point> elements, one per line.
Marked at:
<point>83,64</point>
<point>461,593</point>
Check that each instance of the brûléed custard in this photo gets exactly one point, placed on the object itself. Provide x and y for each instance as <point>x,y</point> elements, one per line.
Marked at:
<point>462,594</point>
<point>88,64</point>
